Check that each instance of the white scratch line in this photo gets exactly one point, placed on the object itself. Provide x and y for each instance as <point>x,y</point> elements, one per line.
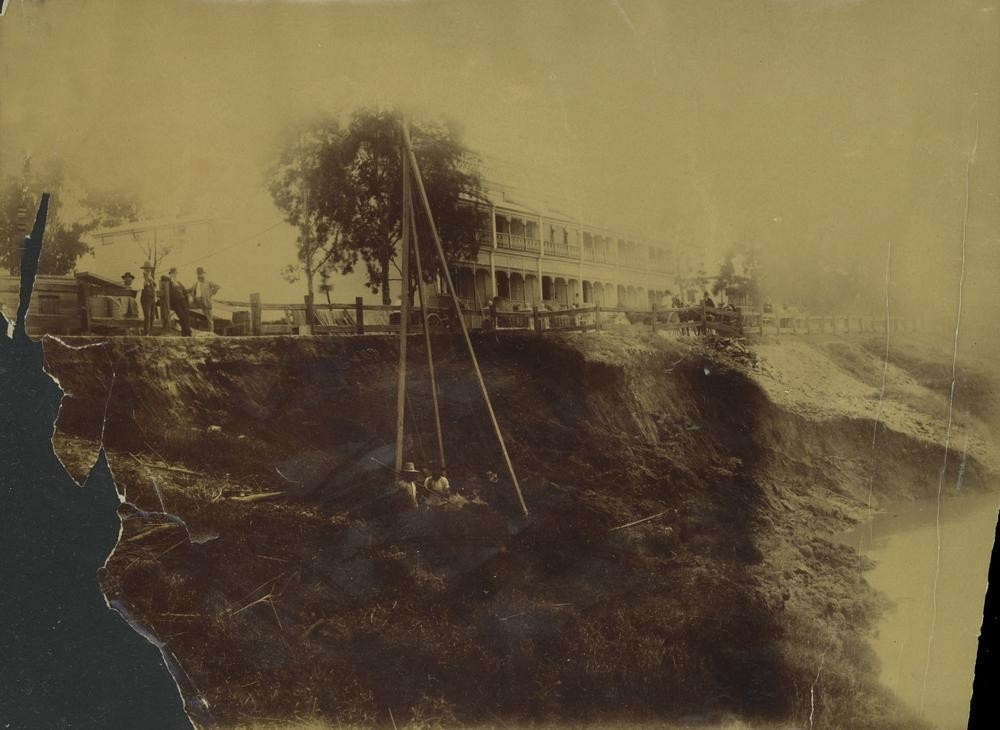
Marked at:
<point>107,405</point>
<point>102,343</point>
<point>812,688</point>
<point>951,406</point>
<point>635,35</point>
<point>878,410</point>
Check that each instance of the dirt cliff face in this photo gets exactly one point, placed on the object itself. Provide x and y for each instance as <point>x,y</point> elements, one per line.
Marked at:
<point>322,604</point>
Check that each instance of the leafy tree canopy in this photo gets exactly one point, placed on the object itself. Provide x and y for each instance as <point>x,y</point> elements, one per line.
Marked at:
<point>340,185</point>
<point>65,239</point>
<point>739,276</point>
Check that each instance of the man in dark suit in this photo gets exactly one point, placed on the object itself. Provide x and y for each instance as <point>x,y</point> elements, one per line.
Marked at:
<point>179,303</point>
<point>147,298</point>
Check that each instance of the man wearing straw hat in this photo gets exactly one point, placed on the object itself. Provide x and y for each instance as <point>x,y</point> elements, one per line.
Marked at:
<point>408,482</point>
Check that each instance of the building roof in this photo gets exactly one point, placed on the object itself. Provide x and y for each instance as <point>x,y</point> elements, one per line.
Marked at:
<point>102,282</point>
<point>149,225</point>
<point>535,204</point>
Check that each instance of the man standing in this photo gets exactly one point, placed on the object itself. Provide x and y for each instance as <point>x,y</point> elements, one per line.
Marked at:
<point>202,294</point>
<point>147,298</point>
<point>179,302</point>
<point>129,308</point>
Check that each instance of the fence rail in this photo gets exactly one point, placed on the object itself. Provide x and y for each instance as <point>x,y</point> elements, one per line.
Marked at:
<point>250,317</point>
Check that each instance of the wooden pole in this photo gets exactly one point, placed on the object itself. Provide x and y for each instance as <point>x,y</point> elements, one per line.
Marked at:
<point>653,316</point>
<point>597,317</point>
<point>83,301</point>
<point>415,169</point>
<point>310,311</point>
<point>165,305</point>
<point>359,314</point>
<point>255,314</point>
<point>408,210</point>
<point>404,319</point>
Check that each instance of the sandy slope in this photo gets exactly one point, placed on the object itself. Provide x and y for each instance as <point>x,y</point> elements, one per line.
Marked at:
<point>800,374</point>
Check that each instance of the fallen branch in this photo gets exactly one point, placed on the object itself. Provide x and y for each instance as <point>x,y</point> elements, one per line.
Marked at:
<point>262,599</point>
<point>154,530</point>
<point>259,497</point>
<point>164,467</point>
<point>637,522</point>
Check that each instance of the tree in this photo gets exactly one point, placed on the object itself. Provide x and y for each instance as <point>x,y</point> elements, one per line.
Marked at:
<point>308,182</point>
<point>739,276</point>
<point>342,188</point>
<point>19,196</point>
<point>111,208</point>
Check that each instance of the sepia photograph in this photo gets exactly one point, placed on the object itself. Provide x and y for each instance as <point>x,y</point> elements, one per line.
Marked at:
<point>441,364</point>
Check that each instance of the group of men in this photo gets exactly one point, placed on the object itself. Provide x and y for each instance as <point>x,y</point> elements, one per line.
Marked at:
<point>182,299</point>
<point>435,484</point>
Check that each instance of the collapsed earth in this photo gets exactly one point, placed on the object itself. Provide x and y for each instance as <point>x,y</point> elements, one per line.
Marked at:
<point>678,562</point>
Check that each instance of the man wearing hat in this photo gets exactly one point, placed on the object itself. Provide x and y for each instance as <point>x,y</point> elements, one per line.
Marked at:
<point>147,298</point>
<point>179,302</point>
<point>408,481</point>
<point>201,296</point>
<point>129,301</point>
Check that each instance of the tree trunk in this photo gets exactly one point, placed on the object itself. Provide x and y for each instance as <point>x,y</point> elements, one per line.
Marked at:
<point>384,284</point>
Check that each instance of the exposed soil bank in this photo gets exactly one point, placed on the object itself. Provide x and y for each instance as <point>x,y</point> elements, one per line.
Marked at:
<point>731,603</point>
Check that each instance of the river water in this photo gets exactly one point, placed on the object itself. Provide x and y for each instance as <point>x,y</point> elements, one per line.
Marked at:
<point>927,643</point>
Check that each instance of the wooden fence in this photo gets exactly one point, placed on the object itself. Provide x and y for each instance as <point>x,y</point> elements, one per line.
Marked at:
<point>360,318</point>
<point>83,309</point>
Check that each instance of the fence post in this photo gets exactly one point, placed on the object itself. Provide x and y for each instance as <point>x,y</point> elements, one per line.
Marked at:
<point>704,319</point>
<point>83,301</point>
<point>537,319</point>
<point>310,309</point>
<point>493,314</point>
<point>761,317</point>
<point>597,316</point>
<point>359,314</point>
<point>653,317</point>
<point>255,314</point>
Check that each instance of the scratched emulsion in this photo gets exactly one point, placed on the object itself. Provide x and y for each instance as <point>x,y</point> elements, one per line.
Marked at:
<point>68,659</point>
<point>903,542</point>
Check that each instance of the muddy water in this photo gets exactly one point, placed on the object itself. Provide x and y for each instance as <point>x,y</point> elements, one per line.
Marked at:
<point>904,543</point>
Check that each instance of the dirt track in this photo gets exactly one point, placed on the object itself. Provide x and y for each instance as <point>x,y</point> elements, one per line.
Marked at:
<point>318,605</point>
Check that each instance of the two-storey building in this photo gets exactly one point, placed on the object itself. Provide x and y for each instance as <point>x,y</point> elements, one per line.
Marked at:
<point>535,254</point>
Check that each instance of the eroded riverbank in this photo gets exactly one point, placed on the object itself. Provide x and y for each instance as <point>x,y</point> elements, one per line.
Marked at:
<point>733,602</point>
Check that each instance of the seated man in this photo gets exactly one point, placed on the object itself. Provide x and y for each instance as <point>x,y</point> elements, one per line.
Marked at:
<point>407,482</point>
<point>437,482</point>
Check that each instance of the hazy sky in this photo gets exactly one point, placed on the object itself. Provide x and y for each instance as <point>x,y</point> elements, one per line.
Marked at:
<point>820,130</point>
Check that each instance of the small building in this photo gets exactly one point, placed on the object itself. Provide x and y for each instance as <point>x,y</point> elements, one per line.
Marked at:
<point>58,304</point>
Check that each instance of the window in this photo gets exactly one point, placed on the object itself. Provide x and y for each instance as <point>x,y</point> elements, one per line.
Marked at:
<point>48,304</point>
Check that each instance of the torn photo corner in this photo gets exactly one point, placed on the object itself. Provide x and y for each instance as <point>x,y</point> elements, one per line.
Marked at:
<point>498,365</point>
